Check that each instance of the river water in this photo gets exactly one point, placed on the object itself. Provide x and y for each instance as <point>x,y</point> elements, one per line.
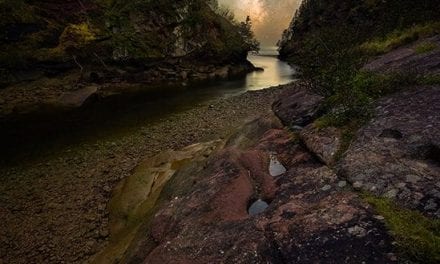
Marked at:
<point>128,112</point>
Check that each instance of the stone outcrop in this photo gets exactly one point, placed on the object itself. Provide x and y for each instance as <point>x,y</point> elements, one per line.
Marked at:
<point>311,216</point>
<point>298,107</point>
<point>135,197</point>
<point>407,60</point>
<point>51,52</point>
<point>230,208</point>
<point>397,154</point>
<point>323,142</point>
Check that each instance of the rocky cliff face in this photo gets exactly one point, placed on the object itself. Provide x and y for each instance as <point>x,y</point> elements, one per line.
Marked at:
<point>57,50</point>
<point>361,19</point>
<point>135,40</point>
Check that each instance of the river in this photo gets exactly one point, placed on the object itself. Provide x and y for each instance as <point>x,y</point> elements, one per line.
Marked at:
<point>124,113</point>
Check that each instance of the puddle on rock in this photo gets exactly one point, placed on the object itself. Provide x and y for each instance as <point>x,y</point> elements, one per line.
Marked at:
<point>275,166</point>
<point>257,207</point>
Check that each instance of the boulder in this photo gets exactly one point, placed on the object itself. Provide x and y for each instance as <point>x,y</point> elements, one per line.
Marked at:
<point>298,106</point>
<point>323,142</point>
<point>77,98</point>
<point>397,154</point>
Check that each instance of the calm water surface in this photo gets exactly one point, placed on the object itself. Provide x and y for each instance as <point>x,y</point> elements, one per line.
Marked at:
<point>124,113</point>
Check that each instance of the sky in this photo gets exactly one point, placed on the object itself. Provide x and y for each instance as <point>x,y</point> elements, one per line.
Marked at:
<point>269,17</point>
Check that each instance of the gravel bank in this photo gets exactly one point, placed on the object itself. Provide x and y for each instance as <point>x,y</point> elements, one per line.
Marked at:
<point>53,209</point>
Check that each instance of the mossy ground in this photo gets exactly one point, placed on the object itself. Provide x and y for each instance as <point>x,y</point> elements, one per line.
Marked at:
<point>417,236</point>
<point>399,38</point>
<point>426,47</point>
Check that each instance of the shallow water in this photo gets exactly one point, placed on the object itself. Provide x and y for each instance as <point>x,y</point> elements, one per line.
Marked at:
<point>129,112</point>
<point>275,167</point>
<point>258,207</point>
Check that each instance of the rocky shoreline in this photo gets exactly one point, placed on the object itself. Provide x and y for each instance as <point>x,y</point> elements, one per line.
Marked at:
<point>70,92</point>
<point>317,209</point>
<point>58,200</point>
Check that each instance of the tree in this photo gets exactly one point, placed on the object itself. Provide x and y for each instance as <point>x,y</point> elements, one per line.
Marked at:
<point>245,30</point>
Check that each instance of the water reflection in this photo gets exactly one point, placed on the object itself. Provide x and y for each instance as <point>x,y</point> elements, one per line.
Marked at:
<point>275,72</point>
<point>130,111</point>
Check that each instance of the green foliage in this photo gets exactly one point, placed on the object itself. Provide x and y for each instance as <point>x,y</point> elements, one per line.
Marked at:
<point>226,13</point>
<point>417,236</point>
<point>376,85</point>
<point>430,79</point>
<point>353,107</point>
<point>330,59</point>
<point>77,36</point>
<point>329,65</point>
<point>426,47</point>
<point>13,11</point>
<point>399,38</point>
<point>245,31</point>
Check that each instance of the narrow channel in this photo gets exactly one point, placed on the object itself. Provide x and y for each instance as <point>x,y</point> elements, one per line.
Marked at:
<point>121,114</point>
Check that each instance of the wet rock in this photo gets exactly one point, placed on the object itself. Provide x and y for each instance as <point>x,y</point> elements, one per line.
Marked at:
<point>408,163</point>
<point>298,106</point>
<point>257,207</point>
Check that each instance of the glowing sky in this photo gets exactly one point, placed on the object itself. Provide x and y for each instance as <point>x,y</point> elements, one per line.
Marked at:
<point>270,17</point>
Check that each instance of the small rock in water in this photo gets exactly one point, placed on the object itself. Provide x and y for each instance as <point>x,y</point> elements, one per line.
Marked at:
<point>275,167</point>
<point>257,207</point>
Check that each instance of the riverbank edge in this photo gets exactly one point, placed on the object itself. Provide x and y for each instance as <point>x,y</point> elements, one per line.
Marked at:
<point>75,203</point>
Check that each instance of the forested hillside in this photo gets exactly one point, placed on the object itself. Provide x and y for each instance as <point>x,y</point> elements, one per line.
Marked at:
<point>136,40</point>
<point>355,20</point>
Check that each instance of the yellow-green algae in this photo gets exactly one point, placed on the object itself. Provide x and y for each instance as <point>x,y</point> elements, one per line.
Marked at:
<point>134,199</point>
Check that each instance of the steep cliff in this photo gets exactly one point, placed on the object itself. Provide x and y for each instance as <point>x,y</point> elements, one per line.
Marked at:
<point>136,40</point>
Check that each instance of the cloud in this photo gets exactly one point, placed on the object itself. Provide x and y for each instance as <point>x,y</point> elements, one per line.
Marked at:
<point>270,17</point>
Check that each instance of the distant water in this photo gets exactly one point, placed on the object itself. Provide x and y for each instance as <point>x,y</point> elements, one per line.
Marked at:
<point>276,72</point>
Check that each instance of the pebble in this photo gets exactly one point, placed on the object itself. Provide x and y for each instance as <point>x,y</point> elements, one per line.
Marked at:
<point>326,188</point>
<point>391,193</point>
<point>430,205</point>
<point>357,185</point>
<point>357,231</point>
<point>342,184</point>
<point>412,178</point>
<point>379,217</point>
